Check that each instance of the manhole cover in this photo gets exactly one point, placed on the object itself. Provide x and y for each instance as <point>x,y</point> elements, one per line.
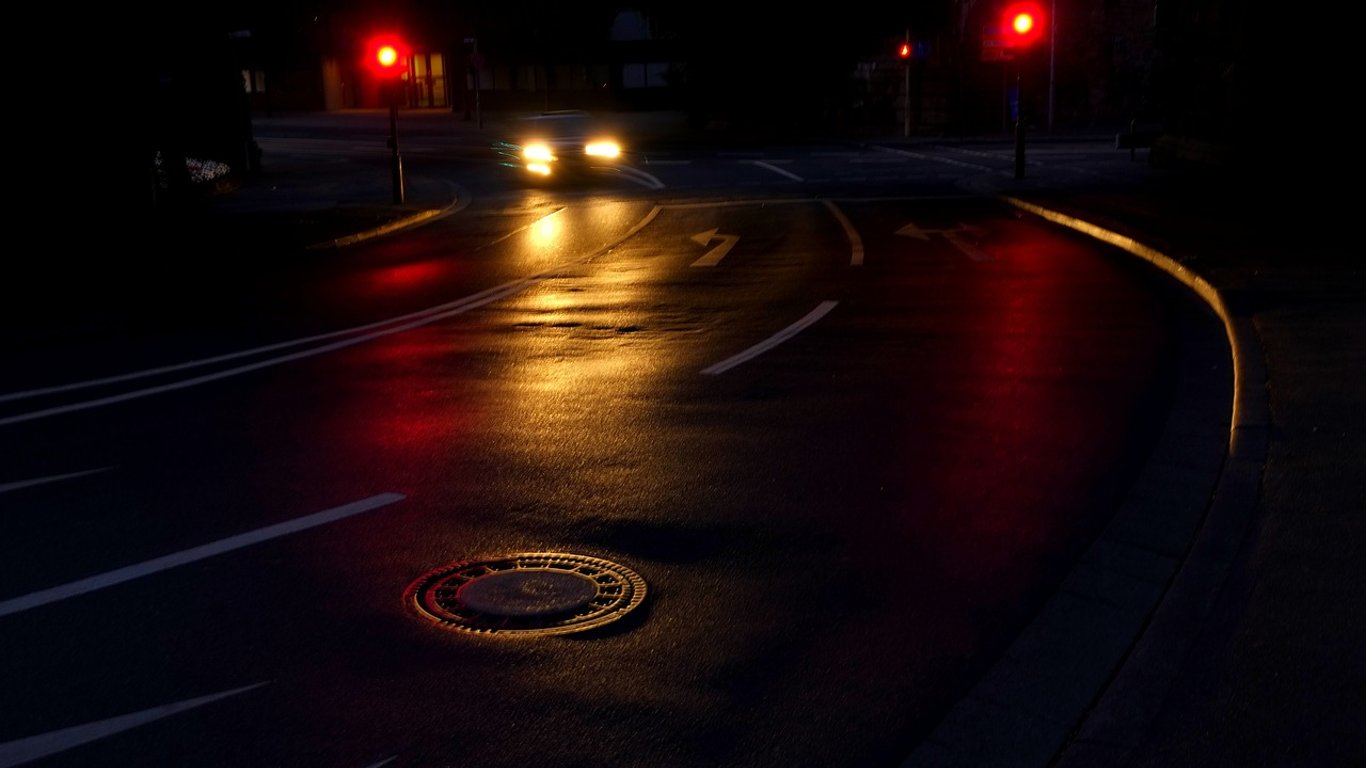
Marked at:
<point>532,593</point>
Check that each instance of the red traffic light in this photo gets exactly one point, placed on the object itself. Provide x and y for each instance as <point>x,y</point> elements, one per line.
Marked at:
<point>387,56</point>
<point>904,51</point>
<point>1023,23</point>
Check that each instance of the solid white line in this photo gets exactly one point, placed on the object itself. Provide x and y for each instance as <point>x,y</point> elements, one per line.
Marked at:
<point>775,169</point>
<point>429,311</point>
<point>641,177</point>
<point>945,160</point>
<point>391,326</point>
<point>763,201</point>
<point>855,242</point>
<point>156,565</point>
<point>474,302</point>
<point>33,748</point>
<point>758,349</point>
<point>18,484</point>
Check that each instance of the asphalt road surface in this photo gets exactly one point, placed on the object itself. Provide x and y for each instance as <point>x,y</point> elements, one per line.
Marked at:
<point>802,437</point>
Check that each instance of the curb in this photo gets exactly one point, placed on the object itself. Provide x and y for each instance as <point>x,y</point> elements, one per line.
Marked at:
<point>1084,682</point>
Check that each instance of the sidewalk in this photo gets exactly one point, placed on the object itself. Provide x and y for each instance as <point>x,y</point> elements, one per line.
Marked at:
<point>1256,652</point>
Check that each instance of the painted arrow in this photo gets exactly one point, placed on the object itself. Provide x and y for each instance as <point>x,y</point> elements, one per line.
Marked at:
<point>710,258</point>
<point>951,235</point>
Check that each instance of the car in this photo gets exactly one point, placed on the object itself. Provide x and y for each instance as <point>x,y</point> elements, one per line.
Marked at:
<point>559,144</point>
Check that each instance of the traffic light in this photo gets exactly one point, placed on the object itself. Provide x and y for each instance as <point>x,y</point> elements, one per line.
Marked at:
<point>1023,23</point>
<point>904,51</point>
<point>387,56</point>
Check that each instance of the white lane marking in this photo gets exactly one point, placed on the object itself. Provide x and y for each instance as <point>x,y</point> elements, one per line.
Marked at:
<point>385,761</point>
<point>758,349</point>
<point>639,225</point>
<point>642,178</point>
<point>945,160</point>
<point>156,565</point>
<point>968,249</point>
<point>19,484</point>
<point>855,242</point>
<point>951,235</point>
<point>474,302</point>
<point>192,364</point>
<point>766,201</point>
<point>27,750</point>
<point>775,169</point>
<point>408,322</point>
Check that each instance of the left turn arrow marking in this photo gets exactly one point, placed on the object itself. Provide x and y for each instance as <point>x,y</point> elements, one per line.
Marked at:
<point>712,257</point>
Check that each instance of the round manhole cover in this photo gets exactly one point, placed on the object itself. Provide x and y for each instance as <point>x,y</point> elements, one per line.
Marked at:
<point>532,593</point>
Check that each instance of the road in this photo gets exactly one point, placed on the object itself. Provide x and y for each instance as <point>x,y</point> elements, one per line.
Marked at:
<point>834,425</point>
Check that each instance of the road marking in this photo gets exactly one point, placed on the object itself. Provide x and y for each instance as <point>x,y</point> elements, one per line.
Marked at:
<point>429,313</point>
<point>766,201</point>
<point>713,257</point>
<point>951,235</point>
<point>938,159</point>
<point>775,169</point>
<point>387,327</point>
<point>758,349</point>
<point>19,484</point>
<point>460,307</point>
<point>855,242</point>
<point>640,177</point>
<point>156,565</point>
<point>27,750</point>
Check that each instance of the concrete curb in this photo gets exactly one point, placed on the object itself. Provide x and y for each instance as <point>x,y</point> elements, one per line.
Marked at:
<point>1084,682</point>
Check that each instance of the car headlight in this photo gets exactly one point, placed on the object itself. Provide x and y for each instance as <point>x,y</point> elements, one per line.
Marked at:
<point>605,149</point>
<point>538,153</point>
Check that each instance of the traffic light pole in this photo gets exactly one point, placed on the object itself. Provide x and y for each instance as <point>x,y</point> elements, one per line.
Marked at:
<point>1023,22</point>
<point>906,63</point>
<point>1019,124</point>
<point>396,160</point>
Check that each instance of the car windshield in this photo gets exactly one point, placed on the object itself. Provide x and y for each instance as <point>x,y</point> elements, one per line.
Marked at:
<point>561,126</point>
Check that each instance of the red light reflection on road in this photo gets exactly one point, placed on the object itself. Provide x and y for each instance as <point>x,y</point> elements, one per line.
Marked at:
<point>1007,480</point>
<point>401,277</point>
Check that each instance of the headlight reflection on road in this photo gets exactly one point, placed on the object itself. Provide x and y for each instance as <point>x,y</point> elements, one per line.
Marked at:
<point>546,232</point>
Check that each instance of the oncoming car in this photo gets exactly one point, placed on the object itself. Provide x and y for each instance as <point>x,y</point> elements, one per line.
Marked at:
<point>559,143</point>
